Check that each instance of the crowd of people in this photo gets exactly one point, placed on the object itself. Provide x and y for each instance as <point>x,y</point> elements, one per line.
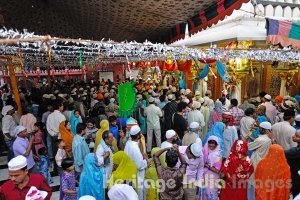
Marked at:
<point>176,144</point>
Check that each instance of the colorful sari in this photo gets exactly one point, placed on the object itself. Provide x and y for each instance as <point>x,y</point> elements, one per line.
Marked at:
<point>236,169</point>
<point>91,179</point>
<point>66,136</point>
<point>126,170</point>
<point>273,172</point>
<point>217,130</point>
<point>214,159</point>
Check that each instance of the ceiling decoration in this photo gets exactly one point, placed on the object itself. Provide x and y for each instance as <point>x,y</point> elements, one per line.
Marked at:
<point>118,20</point>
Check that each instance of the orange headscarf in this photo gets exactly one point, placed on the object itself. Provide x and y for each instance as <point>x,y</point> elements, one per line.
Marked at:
<point>273,176</point>
<point>278,99</point>
<point>66,136</point>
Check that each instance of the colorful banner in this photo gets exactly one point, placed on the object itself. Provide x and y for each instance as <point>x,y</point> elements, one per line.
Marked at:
<point>285,33</point>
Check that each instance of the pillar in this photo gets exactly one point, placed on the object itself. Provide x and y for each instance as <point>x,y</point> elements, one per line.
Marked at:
<point>267,77</point>
<point>283,91</point>
<point>14,85</point>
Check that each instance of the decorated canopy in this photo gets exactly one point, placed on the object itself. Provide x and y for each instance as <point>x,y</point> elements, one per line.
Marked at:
<point>119,20</point>
<point>283,32</point>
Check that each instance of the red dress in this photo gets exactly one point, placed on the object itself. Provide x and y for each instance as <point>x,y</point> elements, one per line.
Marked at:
<point>236,169</point>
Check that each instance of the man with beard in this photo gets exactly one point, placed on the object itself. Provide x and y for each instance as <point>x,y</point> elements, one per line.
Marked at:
<point>140,159</point>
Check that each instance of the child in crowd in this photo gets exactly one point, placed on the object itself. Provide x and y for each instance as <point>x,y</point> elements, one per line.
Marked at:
<point>60,155</point>
<point>67,181</point>
<point>113,127</point>
<point>90,135</point>
<point>44,164</point>
<point>38,137</point>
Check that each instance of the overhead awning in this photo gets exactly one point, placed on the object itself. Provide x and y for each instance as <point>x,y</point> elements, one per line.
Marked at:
<point>283,32</point>
<point>119,20</point>
<point>206,18</point>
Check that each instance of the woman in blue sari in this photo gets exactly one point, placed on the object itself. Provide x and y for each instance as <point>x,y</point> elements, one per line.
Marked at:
<point>142,119</point>
<point>75,119</point>
<point>91,179</point>
<point>216,130</point>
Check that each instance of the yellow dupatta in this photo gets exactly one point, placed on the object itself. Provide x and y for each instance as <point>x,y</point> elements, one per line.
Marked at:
<point>126,169</point>
<point>104,126</point>
<point>151,174</point>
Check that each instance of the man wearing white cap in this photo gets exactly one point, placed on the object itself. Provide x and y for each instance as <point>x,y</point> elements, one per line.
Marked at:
<point>23,146</point>
<point>141,161</point>
<point>260,147</point>
<point>171,137</point>
<point>153,115</point>
<point>284,131</point>
<point>271,110</point>
<point>191,136</point>
<point>20,181</point>
<point>8,128</point>
<point>195,115</point>
<point>195,166</point>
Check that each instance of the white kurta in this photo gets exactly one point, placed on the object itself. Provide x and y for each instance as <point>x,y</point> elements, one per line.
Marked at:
<point>101,149</point>
<point>166,144</point>
<point>196,116</point>
<point>153,114</point>
<point>245,125</point>
<point>283,133</point>
<point>133,151</point>
<point>53,122</point>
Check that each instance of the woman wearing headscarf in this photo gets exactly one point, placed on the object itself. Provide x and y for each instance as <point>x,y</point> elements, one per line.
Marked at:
<point>151,175</point>
<point>236,170</point>
<point>125,169</point>
<point>217,130</point>
<point>217,114</point>
<point>143,124</point>
<point>104,126</point>
<point>75,119</point>
<point>212,165</point>
<point>273,169</point>
<point>91,179</point>
<point>66,135</point>
<point>278,101</point>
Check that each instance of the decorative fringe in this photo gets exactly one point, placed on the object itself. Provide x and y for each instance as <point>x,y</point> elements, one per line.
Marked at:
<point>222,71</point>
<point>204,72</point>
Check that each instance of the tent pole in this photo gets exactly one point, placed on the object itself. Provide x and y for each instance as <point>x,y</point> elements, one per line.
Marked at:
<point>14,85</point>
